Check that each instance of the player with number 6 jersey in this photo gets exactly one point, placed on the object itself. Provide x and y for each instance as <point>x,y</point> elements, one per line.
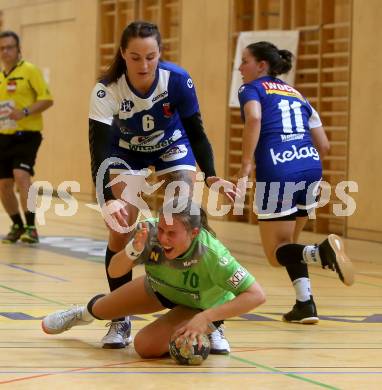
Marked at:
<point>283,134</point>
<point>149,123</point>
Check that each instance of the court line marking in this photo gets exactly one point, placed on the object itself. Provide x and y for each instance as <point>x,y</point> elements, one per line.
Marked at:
<point>32,295</point>
<point>37,273</point>
<point>84,372</point>
<point>275,370</point>
<point>68,371</point>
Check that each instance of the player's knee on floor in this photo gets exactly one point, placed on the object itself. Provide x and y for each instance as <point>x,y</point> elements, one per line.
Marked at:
<point>146,347</point>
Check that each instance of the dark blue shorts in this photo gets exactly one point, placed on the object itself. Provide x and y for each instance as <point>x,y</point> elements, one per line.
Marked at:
<point>291,196</point>
<point>175,156</point>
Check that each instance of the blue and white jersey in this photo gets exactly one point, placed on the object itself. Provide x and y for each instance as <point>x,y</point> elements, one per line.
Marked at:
<point>285,145</point>
<point>151,122</point>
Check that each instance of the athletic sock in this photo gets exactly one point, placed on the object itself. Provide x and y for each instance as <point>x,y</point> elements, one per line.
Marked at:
<point>115,283</point>
<point>87,312</point>
<point>17,220</point>
<point>298,274</point>
<point>85,315</point>
<point>290,254</point>
<point>29,218</point>
<point>311,254</point>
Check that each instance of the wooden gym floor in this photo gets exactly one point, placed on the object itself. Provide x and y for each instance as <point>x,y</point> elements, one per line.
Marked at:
<point>344,351</point>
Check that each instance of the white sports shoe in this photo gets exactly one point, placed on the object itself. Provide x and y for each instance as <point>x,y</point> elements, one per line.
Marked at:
<point>119,334</point>
<point>219,344</point>
<point>62,320</point>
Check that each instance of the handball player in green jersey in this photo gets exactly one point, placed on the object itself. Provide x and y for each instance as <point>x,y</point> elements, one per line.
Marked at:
<point>188,270</point>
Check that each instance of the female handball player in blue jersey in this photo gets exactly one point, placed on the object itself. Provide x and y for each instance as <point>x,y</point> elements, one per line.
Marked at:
<point>188,271</point>
<point>143,112</point>
<point>284,136</point>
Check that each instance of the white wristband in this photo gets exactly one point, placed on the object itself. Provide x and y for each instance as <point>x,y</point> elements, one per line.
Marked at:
<point>131,252</point>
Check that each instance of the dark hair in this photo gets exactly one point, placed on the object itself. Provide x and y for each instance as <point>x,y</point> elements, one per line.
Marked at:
<point>12,34</point>
<point>190,213</point>
<point>138,29</point>
<point>280,61</point>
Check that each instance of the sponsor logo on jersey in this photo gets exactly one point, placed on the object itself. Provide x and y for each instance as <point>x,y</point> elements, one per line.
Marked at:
<point>101,93</point>
<point>125,130</point>
<point>126,105</point>
<point>155,253</point>
<point>150,140</point>
<point>190,84</point>
<point>160,96</point>
<point>237,277</point>
<point>223,261</point>
<point>175,153</point>
<point>272,87</point>
<point>189,263</point>
<point>151,148</point>
<point>154,256</point>
<point>291,137</point>
<point>294,154</point>
<point>167,110</point>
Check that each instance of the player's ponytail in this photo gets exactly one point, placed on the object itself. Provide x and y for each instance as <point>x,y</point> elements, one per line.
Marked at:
<point>280,61</point>
<point>285,65</point>
<point>138,29</point>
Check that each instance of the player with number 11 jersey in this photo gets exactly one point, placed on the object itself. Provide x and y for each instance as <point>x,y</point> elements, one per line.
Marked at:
<point>285,144</point>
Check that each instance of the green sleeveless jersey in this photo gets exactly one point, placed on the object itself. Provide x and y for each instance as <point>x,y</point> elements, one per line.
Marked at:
<point>205,276</point>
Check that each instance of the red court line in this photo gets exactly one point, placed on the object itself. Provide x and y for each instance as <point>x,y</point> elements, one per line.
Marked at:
<point>74,370</point>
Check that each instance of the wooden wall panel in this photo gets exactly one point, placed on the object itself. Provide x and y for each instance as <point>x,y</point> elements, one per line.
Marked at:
<point>365,157</point>
<point>204,53</point>
<point>203,44</point>
<point>60,38</point>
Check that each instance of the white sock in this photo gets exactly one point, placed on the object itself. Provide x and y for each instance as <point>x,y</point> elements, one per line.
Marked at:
<point>85,314</point>
<point>311,254</point>
<point>302,288</point>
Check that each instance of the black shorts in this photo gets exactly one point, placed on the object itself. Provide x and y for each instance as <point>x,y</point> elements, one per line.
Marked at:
<point>290,217</point>
<point>170,305</point>
<point>18,151</point>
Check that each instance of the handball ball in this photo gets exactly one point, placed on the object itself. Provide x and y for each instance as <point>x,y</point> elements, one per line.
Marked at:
<point>192,356</point>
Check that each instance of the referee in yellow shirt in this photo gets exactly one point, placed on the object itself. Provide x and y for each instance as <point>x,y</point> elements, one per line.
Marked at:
<point>24,95</point>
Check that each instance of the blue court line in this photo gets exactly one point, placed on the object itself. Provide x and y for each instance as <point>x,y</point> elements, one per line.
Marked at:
<point>35,272</point>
